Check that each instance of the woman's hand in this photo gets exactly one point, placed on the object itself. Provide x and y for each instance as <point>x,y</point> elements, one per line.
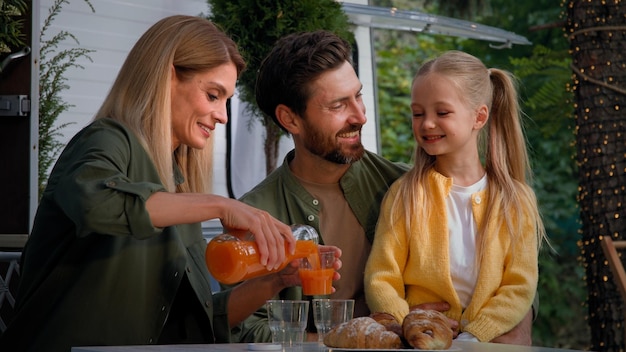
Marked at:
<point>269,233</point>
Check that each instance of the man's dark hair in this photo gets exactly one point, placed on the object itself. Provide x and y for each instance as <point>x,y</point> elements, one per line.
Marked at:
<point>294,62</point>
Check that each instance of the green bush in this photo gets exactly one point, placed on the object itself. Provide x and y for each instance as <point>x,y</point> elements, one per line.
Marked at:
<point>53,65</point>
<point>11,28</point>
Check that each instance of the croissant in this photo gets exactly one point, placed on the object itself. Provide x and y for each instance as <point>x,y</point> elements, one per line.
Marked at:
<point>427,330</point>
<point>362,332</point>
<point>388,321</point>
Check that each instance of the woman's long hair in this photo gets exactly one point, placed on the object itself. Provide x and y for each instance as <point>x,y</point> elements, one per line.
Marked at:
<point>140,97</point>
<point>502,146</point>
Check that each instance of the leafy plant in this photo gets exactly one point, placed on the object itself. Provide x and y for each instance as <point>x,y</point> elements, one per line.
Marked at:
<point>54,63</point>
<point>545,80</point>
<point>11,35</point>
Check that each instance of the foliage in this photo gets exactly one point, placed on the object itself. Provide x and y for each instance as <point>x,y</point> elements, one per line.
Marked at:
<point>545,80</point>
<point>394,100</point>
<point>11,35</point>
<point>561,322</point>
<point>394,78</point>
<point>462,9</point>
<point>54,63</point>
<point>549,129</point>
<point>538,20</point>
<point>544,74</point>
<point>256,25</point>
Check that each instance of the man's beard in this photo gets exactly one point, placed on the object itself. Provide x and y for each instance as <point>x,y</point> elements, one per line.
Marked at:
<point>329,150</point>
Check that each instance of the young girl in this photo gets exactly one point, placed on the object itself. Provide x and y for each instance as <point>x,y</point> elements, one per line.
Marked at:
<point>462,226</point>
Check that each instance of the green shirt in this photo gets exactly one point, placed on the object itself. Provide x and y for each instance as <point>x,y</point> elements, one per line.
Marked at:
<point>95,271</point>
<point>281,194</point>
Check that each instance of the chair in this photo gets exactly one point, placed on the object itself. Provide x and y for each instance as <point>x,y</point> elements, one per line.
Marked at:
<point>9,276</point>
<point>610,248</point>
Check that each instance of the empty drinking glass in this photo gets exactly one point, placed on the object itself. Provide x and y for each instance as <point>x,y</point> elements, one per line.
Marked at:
<point>328,313</point>
<point>287,321</point>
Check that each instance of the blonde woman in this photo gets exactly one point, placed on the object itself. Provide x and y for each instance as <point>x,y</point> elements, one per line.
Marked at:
<point>462,226</point>
<point>116,255</point>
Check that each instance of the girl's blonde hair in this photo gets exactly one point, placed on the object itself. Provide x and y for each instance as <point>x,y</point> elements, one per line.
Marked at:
<point>502,146</point>
<point>140,96</point>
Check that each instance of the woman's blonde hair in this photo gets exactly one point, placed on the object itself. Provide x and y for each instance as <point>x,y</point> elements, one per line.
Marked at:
<point>502,146</point>
<point>140,96</point>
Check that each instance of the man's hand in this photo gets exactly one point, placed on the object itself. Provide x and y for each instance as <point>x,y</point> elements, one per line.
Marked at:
<point>289,275</point>
<point>519,335</point>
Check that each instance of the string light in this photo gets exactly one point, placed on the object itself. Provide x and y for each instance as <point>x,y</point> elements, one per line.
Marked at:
<point>597,33</point>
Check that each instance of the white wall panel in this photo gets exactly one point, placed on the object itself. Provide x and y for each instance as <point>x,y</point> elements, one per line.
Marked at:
<point>366,75</point>
<point>110,31</point>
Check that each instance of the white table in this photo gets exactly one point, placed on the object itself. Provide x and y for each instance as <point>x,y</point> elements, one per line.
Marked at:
<point>308,347</point>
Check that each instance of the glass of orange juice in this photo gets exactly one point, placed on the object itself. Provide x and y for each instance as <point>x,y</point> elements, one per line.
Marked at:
<point>316,273</point>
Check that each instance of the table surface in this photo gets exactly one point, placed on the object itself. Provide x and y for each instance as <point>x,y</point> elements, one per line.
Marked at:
<point>464,346</point>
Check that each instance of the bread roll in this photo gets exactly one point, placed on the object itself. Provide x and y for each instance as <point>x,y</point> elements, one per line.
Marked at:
<point>362,332</point>
<point>427,330</point>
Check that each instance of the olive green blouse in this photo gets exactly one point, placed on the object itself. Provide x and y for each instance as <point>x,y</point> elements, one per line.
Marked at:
<point>95,271</point>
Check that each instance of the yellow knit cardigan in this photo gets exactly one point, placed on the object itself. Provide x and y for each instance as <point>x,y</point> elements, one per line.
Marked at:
<point>409,268</point>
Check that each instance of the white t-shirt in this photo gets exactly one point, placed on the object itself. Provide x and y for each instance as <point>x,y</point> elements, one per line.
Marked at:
<point>463,239</point>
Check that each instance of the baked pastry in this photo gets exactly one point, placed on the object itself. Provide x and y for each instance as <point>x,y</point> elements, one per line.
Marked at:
<point>427,330</point>
<point>388,321</point>
<point>362,332</point>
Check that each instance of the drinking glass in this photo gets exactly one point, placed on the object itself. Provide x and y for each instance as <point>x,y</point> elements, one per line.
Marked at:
<point>328,313</point>
<point>287,321</point>
<point>316,273</point>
